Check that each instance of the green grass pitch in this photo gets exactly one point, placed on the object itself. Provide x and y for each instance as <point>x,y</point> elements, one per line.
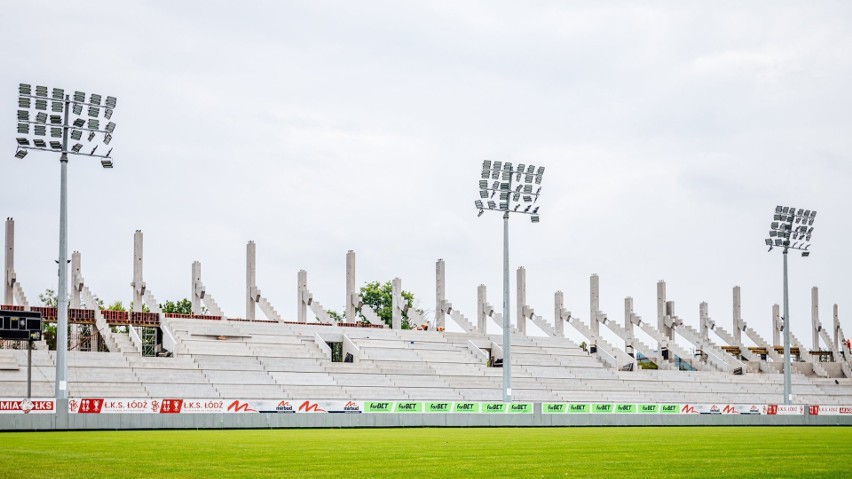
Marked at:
<point>635,452</point>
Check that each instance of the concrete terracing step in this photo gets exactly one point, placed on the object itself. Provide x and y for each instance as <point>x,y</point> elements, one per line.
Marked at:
<point>8,361</point>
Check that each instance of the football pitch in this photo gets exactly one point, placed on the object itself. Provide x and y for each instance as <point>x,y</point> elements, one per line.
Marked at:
<point>641,452</point>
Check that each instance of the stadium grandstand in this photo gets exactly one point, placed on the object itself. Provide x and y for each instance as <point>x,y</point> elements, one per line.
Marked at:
<point>151,357</point>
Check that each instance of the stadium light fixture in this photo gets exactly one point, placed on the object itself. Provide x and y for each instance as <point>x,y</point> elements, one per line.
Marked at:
<point>65,120</point>
<point>781,232</point>
<point>511,201</point>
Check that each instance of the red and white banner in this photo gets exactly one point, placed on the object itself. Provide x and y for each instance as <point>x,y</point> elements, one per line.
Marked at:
<point>750,409</point>
<point>208,406</point>
<point>27,406</point>
<point>784,410</point>
<point>830,410</point>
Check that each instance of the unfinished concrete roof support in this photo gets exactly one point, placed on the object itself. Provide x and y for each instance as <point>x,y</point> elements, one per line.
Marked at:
<point>665,331</point>
<point>525,311</point>
<point>838,332</point>
<point>440,293</point>
<point>253,294</point>
<point>303,298</point>
<point>815,325</point>
<point>351,293</point>
<point>487,310</point>
<point>777,325</point>
<point>306,300</point>
<point>77,282</point>
<point>481,314</point>
<point>595,305</point>
<point>9,280</point>
<point>521,287</point>
<point>138,284</point>
<point>737,317</point>
<point>444,308</point>
<point>200,295</point>
<point>396,307</point>
<point>558,319</point>
<point>251,280</point>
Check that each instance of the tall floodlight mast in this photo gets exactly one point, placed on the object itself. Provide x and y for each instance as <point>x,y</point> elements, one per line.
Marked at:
<point>48,129</point>
<point>790,229</point>
<point>514,188</point>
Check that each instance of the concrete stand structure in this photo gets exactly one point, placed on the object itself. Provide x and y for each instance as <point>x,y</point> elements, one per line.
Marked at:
<point>13,293</point>
<point>200,295</point>
<point>443,307</point>
<point>306,300</point>
<point>353,299</point>
<point>486,310</point>
<point>253,295</point>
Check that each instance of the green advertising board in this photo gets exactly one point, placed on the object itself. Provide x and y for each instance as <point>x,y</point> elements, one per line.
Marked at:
<point>521,408</point>
<point>467,407</point>
<point>669,408</point>
<point>602,408</point>
<point>378,407</point>
<point>493,407</point>
<point>554,408</point>
<point>579,408</point>
<point>439,407</point>
<point>648,408</point>
<point>408,407</point>
<point>625,408</point>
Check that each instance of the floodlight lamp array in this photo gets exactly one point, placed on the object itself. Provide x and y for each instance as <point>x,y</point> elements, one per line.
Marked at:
<point>81,121</point>
<point>497,178</point>
<point>791,228</point>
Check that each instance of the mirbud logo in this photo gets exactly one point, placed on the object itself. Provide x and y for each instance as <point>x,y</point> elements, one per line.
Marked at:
<point>307,406</point>
<point>237,406</point>
<point>284,406</point>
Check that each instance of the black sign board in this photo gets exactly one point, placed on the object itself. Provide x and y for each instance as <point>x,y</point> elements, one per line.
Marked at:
<point>20,325</point>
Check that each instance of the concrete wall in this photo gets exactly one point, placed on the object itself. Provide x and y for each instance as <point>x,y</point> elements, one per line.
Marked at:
<point>49,422</point>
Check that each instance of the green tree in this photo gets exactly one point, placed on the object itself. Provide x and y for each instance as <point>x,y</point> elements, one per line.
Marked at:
<point>48,298</point>
<point>336,316</point>
<point>184,306</point>
<point>48,330</point>
<point>379,297</point>
<point>116,306</point>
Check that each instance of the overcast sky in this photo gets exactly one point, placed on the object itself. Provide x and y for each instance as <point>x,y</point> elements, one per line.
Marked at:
<point>669,130</point>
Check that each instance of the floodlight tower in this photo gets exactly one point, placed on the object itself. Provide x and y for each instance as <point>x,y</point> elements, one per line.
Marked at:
<point>512,199</point>
<point>790,224</point>
<point>66,118</point>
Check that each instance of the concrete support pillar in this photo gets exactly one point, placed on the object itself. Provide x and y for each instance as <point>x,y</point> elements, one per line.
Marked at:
<point>138,284</point>
<point>396,308</point>
<point>77,282</point>
<point>350,287</point>
<point>481,316</point>
<point>522,300</point>
<point>738,318</point>
<point>815,325</point>
<point>836,328</point>
<point>9,280</point>
<point>703,315</point>
<point>628,326</point>
<point>665,330</point>
<point>594,304</point>
<point>440,293</point>
<point>251,280</point>
<point>197,289</point>
<point>558,320</point>
<point>301,300</point>
<point>777,325</point>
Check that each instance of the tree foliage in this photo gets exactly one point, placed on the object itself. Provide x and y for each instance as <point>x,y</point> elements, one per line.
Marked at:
<point>116,306</point>
<point>183,306</point>
<point>379,297</point>
<point>48,298</point>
